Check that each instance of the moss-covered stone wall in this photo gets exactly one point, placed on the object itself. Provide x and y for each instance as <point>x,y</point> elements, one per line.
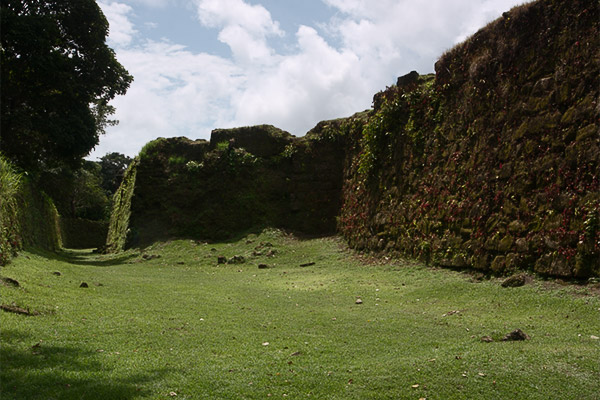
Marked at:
<point>38,218</point>
<point>31,222</point>
<point>245,178</point>
<point>118,227</point>
<point>493,163</point>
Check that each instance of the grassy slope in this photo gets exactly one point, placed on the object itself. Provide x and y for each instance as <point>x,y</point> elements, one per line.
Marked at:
<point>181,323</point>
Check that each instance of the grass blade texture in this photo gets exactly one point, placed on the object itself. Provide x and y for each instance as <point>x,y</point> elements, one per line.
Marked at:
<point>169,321</point>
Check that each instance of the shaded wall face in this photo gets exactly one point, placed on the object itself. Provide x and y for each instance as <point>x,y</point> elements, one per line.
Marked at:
<point>226,190</point>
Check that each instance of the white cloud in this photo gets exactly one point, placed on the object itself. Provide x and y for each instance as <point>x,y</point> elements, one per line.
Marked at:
<point>299,90</point>
<point>121,28</point>
<point>153,3</point>
<point>175,93</point>
<point>244,27</point>
<point>321,76</point>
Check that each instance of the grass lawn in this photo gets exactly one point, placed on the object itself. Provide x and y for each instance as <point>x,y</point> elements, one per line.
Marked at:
<point>183,326</point>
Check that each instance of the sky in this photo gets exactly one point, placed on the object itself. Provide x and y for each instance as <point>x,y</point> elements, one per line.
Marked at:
<point>199,65</point>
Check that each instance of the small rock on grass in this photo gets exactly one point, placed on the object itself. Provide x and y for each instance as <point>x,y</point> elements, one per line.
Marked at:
<point>515,280</point>
<point>84,285</point>
<point>517,334</point>
<point>56,273</point>
<point>263,266</point>
<point>308,264</point>
<point>358,301</point>
<point>487,339</point>
<point>17,310</point>
<point>236,260</point>
<point>10,282</point>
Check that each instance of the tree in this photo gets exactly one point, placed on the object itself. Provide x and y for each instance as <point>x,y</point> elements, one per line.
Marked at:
<point>77,193</point>
<point>113,168</point>
<point>58,76</point>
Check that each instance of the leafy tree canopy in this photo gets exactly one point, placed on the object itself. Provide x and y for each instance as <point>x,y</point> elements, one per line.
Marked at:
<point>113,168</point>
<point>58,76</point>
<point>77,193</point>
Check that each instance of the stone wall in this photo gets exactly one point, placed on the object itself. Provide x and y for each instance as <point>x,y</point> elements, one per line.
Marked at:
<point>231,185</point>
<point>492,163</point>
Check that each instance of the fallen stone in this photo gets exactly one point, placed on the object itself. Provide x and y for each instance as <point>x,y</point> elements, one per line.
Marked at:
<point>10,282</point>
<point>17,310</point>
<point>517,334</point>
<point>358,301</point>
<point>84,285</point>
<point>236,260</point>
<point>308,264</point>
<point>56,273</point>
<point>263,266</point>
<point>487,339</point>
<point>221,260</point>
<point>515,281</point>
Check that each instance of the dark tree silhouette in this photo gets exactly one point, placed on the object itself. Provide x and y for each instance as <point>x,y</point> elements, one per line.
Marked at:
<point>57,75</point>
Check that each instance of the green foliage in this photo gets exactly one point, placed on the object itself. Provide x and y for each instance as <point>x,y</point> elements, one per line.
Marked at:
<point>57,77</point>
<point>38,219</point>
<point>113,167</point>
<point>77,193</point>
<point>177,160</point>
<point>118,228</point>
<point>222,146</point>
<point>194,166</point>
<point>151,148</point>
<point>89,200</point>
<point>289,151</point>
<point>287,330</point>
<point>10,184</point>
<point>399,119</point>
<point>28,217</point>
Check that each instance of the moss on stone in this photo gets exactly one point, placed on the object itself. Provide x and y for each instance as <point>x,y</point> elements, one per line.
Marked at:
<point>588,131</point>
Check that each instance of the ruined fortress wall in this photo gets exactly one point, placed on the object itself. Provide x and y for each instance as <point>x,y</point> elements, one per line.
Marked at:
<point>492,163</point>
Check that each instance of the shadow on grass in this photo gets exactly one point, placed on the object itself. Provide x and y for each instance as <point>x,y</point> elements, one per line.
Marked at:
<point>55,372</point>
<point>83,257</point>
<point>236,237</point>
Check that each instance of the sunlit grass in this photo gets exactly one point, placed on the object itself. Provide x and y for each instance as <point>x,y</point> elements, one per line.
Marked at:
<point>183,324</point>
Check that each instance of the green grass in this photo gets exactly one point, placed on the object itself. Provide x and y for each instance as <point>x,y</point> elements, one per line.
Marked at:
<point>182,323</point>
